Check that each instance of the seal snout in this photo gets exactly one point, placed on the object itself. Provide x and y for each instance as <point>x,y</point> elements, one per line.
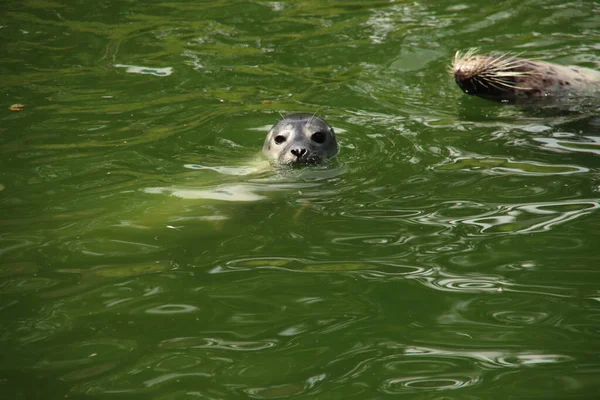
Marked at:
<point>459,77</point>
<point>464,79</point>
<point>463,72</point>
<point>299,152</point>
<point>466,72</point>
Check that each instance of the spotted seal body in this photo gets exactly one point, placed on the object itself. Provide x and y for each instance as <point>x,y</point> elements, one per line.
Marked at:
<point>516,80</point>
<point>300,139</point>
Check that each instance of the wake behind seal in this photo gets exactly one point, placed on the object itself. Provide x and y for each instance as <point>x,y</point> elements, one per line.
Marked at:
<point>300,139</point>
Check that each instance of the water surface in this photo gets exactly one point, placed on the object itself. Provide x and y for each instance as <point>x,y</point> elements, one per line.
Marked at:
<point>450,252</point>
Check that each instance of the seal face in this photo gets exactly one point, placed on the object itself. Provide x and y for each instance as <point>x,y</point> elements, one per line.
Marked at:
<point>300,139</point>
<point>516,80</point>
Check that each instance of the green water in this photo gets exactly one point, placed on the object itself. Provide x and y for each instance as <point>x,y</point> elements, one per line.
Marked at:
<point>450,252</point>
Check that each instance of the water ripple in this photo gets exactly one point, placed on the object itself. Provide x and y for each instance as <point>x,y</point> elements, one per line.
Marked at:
<point>303,265</point>
<point>133,69</point>
<point>517,218</point>
<point>419,383</point>
<point>26,285</point>
<point>439,279</point>
<point>498,358</point>
<point>168,378</point>
<point>86,353</point>
<point>505,166</point>
<point>170,309</point>
<point>585,144</point>
<point>216,343</point>
<point>520,317</point>
<point>408,267</point>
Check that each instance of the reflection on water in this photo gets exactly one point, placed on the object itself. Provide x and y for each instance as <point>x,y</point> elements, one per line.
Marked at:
<point>228,170</point>
<point>197,343</point>
<point>419,383</point>
<point>172,309</point>
<point>450,251</point>
<point>237,192</point>
<point>513,218</point>
<point>132,69</point>
<point>505,166</point>
<point>572,143</point>
<point>405,359</point>
<point>223,193</point>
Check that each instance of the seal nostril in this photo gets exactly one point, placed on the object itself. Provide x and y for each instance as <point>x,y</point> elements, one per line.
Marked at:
<point>298,152</point>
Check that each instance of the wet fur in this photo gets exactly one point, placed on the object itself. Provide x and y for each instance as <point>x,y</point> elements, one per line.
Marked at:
<point>512,79</point>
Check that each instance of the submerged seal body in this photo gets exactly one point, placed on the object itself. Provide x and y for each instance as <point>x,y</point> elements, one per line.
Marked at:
<point>516,80</point>
<point>300,139</point>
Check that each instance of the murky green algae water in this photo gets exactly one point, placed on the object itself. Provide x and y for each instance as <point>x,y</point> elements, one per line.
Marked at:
<point>450,252</point>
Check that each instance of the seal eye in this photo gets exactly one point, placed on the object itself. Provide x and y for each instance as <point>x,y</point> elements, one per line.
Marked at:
<point>279,139</point>
<point>319,137</point>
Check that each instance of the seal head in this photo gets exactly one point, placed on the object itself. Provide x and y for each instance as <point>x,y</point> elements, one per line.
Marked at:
<point>300,139</point>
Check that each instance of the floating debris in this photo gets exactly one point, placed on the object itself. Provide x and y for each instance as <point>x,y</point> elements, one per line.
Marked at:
<point>17,107</point>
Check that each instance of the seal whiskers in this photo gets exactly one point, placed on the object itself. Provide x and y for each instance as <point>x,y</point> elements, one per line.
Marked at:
<point>512,79</point>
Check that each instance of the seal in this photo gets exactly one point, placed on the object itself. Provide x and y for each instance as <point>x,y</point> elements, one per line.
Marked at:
<point>516,80</point>
<point>300,139</point>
